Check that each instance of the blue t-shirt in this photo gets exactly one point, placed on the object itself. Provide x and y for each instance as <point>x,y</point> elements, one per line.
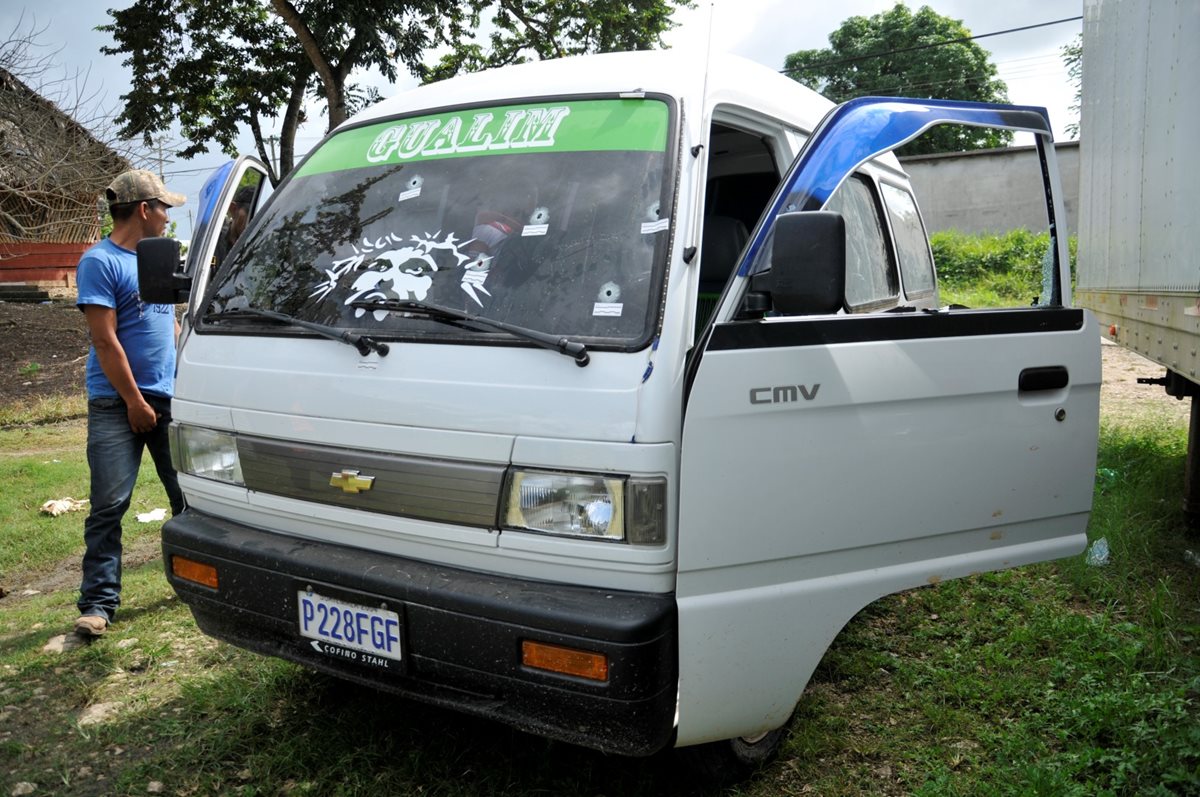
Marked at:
<point>107,276</point>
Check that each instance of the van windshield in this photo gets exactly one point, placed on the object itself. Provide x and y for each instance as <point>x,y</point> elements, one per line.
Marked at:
<point>553,217</point>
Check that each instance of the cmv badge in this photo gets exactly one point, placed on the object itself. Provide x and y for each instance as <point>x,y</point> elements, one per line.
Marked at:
<point>349,481</point>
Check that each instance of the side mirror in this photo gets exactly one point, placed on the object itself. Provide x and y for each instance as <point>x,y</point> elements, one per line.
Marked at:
<point>160,278</point>
<point>808,263</point>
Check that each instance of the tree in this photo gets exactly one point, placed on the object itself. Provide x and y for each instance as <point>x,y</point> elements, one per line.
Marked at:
<point>1072,55</point>
<point>211,66</point>
<point>525,29</point>
<point>899,53</point>
<point>218,66</point>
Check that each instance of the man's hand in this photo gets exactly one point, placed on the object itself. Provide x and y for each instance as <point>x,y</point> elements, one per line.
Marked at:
<point>142,417</point>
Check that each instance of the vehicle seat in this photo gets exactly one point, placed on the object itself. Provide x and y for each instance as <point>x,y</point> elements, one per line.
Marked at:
<point>724,237</point>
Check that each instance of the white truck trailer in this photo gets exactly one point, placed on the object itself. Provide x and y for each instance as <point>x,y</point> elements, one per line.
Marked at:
<point>1139,268</point>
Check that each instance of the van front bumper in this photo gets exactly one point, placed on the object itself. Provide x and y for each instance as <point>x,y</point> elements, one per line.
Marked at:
<point>461,631</point>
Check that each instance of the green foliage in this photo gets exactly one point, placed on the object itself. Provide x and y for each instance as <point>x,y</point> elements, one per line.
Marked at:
<point>992,270</point>
<point>537,29</point>
<point>899,53</point>
<point>29,369</point>
<point>210,66</point>
<point>216,67</point>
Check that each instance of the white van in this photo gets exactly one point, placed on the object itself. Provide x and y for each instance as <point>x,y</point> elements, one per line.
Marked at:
<point>587,396</point>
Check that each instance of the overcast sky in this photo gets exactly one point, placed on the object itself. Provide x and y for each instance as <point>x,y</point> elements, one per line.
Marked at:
<point>762,30</point>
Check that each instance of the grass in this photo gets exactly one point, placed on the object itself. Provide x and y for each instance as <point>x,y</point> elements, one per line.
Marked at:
<point>994,290</point>
<point>53,409</point>
<point>1002,270</point>
<point>39,463</point>
<point>1057,679</point>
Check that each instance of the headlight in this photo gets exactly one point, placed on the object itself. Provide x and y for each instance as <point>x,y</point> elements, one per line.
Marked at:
<point>582,505</point>
<point>206,453</point>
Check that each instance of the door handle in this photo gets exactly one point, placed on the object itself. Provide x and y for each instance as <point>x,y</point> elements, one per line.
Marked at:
<point>1052,377</point>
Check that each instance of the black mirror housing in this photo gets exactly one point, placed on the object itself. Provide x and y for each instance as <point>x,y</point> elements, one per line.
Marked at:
<point>808,263</point>
<point>160,277</point>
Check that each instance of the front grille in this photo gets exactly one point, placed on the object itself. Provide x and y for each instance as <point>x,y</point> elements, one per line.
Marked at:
<point>417,487</point>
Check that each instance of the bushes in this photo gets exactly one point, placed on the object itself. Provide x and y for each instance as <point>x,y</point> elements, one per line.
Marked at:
<point>991,270</point>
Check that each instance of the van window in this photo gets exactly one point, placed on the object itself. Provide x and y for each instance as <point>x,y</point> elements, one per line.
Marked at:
<point>554,217</point>
<point>742,174</point>
<point>912,248</point>
<point>870,270</point>
<point>246,198</point>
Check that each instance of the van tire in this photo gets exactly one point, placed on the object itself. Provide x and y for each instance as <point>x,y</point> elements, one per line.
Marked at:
<point>730,761</point>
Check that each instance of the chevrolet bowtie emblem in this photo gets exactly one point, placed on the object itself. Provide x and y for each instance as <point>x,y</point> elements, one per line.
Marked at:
<point>348,481</point>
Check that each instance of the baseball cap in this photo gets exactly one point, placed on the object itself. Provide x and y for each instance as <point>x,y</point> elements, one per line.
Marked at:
<point>141,185</point>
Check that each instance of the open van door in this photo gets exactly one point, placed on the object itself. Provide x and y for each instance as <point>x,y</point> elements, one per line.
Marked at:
<point>829,458</point>
<point>229,198</point>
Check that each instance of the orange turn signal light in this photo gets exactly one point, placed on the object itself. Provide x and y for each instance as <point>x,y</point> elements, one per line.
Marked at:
<point>196,572</point>
<point>568,661</point>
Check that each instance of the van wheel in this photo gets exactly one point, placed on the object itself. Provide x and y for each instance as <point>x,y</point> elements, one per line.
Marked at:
<point>730,761</point>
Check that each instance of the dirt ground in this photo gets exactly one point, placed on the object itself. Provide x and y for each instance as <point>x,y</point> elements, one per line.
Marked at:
<point>43,351</point>
<point>1122,397</point>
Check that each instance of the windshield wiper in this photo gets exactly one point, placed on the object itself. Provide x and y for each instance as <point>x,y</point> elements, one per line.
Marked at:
<point>572,348</point>
<point>364,344</point>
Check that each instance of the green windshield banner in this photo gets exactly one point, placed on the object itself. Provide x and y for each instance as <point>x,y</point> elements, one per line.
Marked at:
<point>583,126</point>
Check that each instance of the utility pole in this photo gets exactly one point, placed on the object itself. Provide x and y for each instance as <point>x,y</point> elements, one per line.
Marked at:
<point>161,160</point>
<point>161,153</point>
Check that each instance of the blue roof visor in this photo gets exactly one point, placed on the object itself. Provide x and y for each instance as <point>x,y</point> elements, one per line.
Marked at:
<point>866,128</point>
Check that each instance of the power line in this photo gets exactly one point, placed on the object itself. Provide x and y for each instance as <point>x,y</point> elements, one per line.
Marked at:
<point>197,170</point>
<point>933,79</point>
<point>929,83</point>
<point>927,46</point>
<point>1038,57</point>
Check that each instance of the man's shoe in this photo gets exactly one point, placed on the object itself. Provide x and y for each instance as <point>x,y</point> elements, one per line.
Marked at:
<point>91,625</point>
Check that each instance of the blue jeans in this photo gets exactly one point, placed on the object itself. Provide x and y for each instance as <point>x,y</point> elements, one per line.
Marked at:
<point>114,453</point>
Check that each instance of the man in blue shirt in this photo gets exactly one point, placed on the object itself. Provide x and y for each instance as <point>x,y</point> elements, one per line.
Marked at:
<point>130,380</point>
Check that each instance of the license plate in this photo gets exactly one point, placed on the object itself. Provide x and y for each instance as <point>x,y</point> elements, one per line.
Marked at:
<point>374,632</point>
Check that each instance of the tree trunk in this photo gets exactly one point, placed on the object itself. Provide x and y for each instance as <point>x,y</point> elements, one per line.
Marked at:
<point>291,121</point>
<point>330,78</point>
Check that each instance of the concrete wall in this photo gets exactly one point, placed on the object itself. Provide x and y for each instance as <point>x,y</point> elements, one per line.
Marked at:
<point>991,190</point>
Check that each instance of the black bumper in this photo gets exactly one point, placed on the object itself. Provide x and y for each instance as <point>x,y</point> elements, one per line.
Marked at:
<point>461,632</point>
